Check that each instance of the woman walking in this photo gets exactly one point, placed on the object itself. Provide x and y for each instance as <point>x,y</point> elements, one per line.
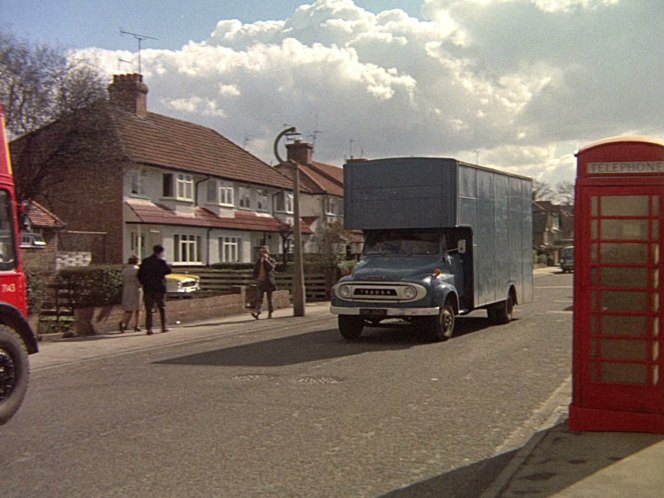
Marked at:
<point>132,295</point>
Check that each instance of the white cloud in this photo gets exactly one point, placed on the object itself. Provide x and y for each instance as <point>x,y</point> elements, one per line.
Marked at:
<point>518,83</point>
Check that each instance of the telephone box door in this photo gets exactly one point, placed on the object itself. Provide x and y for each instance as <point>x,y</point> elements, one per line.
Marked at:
<point>618,309</point>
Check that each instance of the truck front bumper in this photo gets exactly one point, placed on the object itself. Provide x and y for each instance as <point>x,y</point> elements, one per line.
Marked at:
<point>384,311</point>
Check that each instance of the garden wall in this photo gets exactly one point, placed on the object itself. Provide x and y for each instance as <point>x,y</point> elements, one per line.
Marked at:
<point>104,319</point>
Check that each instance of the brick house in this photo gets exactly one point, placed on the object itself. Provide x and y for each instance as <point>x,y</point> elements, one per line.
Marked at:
<point>40,233</point>
<point>133,179</point>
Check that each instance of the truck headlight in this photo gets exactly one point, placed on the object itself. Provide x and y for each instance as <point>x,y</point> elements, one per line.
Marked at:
<point>344,291</point>
<point>410,292</point>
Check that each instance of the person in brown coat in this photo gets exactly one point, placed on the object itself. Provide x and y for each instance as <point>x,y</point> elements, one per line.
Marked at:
<point>265,283</point>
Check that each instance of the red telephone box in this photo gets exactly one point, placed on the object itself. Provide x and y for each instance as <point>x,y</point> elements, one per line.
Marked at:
<point>618,367</point>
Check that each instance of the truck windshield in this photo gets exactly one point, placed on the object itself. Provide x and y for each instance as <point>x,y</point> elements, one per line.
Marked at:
<point>410,242</point>
<point>7,244</point>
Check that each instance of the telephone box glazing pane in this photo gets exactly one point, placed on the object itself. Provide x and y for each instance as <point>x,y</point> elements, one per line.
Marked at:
<point>617,349</point>
<point>624,277</point>
<point>624,253</point>
<point>627,325</point>
<point>624,301</point>
<point>625,205</point>
<point>625,230</point>
<point>620,373</point>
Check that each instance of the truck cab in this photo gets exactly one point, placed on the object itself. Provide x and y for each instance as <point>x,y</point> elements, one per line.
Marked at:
<point>17,338</point>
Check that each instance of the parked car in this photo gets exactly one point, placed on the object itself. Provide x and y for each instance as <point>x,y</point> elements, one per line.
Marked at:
<point>182,283</point>
<point>567,259</point>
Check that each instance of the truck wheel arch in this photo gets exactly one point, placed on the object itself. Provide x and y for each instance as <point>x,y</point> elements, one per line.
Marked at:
<point>13,318</point>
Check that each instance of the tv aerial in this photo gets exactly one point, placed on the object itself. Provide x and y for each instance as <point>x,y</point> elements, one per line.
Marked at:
<point>139,38</point>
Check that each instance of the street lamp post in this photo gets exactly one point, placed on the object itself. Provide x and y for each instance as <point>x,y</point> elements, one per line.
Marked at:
<point>298,290</point>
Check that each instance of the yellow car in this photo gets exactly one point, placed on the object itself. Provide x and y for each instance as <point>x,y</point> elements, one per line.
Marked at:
<point>179,283</point>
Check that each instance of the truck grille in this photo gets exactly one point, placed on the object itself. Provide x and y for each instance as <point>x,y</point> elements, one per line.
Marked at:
<point>384,292</point>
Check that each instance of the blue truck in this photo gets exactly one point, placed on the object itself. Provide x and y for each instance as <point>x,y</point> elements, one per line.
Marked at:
<point>441,238</point>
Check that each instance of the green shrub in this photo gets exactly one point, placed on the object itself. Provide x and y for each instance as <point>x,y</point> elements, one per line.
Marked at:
<point>93,285</point>
<point>36,290</point>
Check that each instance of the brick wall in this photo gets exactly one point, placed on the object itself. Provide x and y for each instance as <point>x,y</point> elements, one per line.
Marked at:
<point>90,321</point>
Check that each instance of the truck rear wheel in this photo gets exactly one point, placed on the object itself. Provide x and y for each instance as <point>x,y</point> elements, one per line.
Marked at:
<point>441,327</point>
<point>351,326</point>
<point>502,312</point>
<point>14,373</point>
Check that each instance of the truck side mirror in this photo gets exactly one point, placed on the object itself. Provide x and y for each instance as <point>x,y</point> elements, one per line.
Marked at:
<point>461,246</point>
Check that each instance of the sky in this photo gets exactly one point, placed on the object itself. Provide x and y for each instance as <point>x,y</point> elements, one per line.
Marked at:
<point>518,85</point>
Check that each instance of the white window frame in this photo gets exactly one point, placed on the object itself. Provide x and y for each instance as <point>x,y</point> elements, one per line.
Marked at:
<point>263,201</point>
<point>334,206</point>
<point>184,186</point>
<point>285,202</point>
<point>230,249</point>
<point>137,186</point>
<point>226,194</point>
<point>187,248</point>
<point>244,197</point>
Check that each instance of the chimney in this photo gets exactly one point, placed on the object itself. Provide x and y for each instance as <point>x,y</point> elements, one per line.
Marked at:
<point>300,152</point>
<point>128,92</point>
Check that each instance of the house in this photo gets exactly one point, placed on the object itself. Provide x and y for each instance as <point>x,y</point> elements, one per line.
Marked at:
<point>127,179</point>
<point>553,229</point>
<point>40,231</point>
<point>321,199</point>
<point>322,202</point>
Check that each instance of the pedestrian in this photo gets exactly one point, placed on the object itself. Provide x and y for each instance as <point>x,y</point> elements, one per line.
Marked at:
<point>151,274</point>
<point>265,283</point>
<point>132,295</point>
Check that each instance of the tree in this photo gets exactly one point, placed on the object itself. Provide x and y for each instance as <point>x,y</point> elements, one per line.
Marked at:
<point>56,112</point>
<point>542,191</point>
<point>40,84</point>
<point>565,193</point>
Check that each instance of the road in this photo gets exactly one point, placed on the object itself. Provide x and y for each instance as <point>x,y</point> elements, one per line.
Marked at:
<point>285,407</point>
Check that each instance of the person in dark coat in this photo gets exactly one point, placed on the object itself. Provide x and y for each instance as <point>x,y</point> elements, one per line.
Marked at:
<point>151,275</point>
<point>265,283</point>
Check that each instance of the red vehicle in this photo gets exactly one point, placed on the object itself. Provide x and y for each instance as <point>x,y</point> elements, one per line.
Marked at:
<point>17,339</point>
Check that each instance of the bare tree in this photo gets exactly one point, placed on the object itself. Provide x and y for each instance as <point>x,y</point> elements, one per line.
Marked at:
<point>542,191</point>
<point>565,193</point>
<point>39,84</point>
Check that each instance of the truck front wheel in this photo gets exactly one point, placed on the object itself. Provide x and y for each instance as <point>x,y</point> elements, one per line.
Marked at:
<point>351,326</point>
<point>14,372</point>
<point>441,327</point>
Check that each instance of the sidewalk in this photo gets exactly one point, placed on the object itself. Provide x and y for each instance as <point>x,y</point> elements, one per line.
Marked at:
<point>59,352</point>
<point>560,463</point>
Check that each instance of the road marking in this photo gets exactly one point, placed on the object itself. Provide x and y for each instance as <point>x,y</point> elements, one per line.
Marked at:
<point>554,287</point>
<point>564,312</point>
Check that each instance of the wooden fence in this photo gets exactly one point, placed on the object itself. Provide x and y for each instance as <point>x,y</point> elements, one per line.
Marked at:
<point>317,285</point>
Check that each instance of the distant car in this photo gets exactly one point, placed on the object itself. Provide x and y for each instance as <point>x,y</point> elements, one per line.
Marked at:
<point>567,259</point>
<point>182,283</point>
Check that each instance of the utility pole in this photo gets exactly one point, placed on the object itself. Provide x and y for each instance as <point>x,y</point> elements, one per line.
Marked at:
<point>298,290</point>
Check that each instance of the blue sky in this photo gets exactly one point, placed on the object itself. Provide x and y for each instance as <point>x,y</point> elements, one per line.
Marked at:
<point>83,24</point>
<point>518,85</point>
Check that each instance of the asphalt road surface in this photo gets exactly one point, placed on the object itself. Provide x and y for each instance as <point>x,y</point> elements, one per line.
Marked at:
<point>286,407</point>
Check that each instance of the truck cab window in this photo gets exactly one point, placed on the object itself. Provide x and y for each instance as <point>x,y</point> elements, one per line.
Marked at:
<point>7,242</point>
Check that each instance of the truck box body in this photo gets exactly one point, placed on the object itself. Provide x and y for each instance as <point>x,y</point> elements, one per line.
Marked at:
<point>443,193</point>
